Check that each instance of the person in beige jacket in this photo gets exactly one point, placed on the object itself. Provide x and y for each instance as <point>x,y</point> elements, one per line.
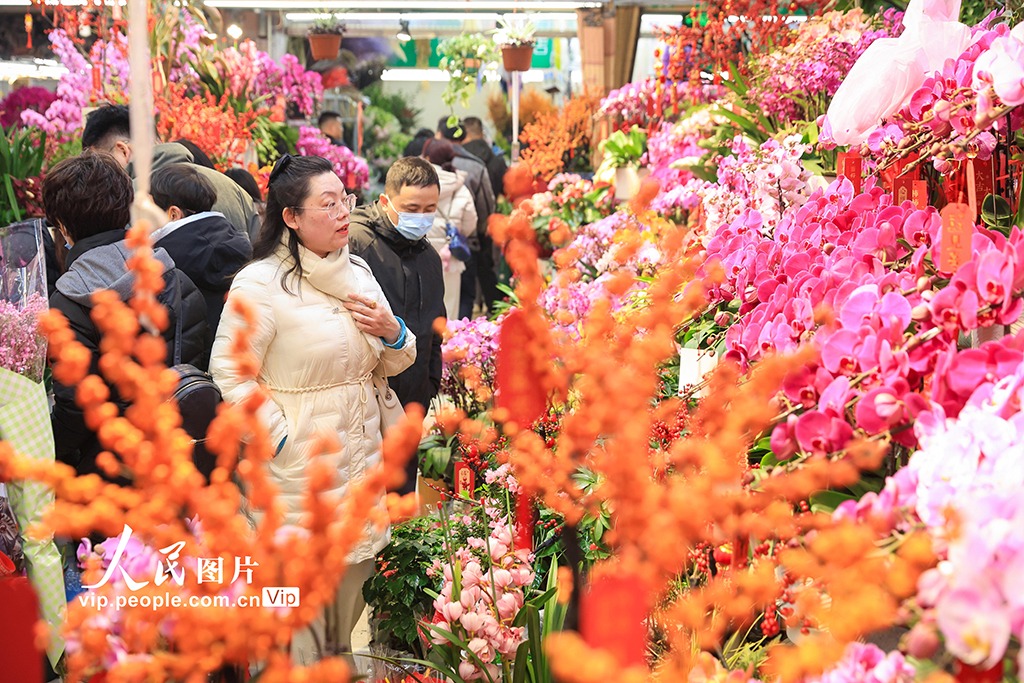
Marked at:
<point>455,205</point>
<point>323,326</point>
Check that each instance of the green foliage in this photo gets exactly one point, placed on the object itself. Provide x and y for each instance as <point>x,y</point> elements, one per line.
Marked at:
<point>623,149</point>
<point>435,456</point>
<point>396,104</point>
<point>327,24</point>
<point>22,152</point>
<point>270,136</point>
<point>397,593</point>
<point>455,52</point>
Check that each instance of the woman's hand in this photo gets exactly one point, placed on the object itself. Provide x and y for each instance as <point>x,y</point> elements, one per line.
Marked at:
<point>373,319</point>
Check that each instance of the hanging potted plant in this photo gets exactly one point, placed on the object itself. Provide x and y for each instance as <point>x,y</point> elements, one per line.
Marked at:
<point>514,36</point>
<point>325,37</point>
<point>462,56</point>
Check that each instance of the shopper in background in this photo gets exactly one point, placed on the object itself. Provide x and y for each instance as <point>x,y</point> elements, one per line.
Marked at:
<point>201,241</point>
<point>479,183</point>
<point>330,125</point>
<point>475,143</point>
<point>107,129</point>
<point>322,328</point>
<point>415,146</point>
<point>247,182</point>
<point>92,223</point>
<point>390,235</point>
<point>454,206</point>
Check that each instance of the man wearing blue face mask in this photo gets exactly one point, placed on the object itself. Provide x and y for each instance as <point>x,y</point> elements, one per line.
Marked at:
<point>389,235</point>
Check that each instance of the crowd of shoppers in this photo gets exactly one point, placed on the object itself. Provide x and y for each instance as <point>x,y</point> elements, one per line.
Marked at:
<point>342,295</point>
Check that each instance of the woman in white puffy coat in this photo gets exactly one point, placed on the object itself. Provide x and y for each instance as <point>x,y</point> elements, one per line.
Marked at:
<point>323,325</point>
<point>455,205</point>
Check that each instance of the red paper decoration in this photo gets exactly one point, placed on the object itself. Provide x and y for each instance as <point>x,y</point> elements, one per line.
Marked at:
<point>957,230</point>
<point>518,391</point>
<point>612,614</point>
<point>21,660</point>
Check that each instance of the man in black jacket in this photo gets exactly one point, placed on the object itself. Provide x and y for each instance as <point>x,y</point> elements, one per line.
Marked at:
<point>92,222</point>
<point>388,235</point>
<point>474,143</point>
<point>200,240</point>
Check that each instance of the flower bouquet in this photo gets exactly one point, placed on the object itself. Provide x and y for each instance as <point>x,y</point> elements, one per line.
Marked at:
<point>353,170</point>
<point>25,415</point>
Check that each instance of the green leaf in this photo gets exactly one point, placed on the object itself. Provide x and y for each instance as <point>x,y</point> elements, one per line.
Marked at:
<point>458,642</point>
<point>828,501</point>
<point>11,197</point>
<point>522,658</point>
<point>995,211</point>
<point>769,460</point>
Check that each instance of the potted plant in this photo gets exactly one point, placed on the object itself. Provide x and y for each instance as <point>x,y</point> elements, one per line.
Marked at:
<point>622,154</point>
<point>325,37</point>
<point>515,37</point>
<point>462,56</point>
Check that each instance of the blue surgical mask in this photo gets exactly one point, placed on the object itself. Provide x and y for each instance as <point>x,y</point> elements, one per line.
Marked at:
<point>413,226</point>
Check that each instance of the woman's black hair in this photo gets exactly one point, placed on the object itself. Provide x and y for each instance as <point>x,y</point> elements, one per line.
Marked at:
<point>288,187</point>
<point>439,152</point>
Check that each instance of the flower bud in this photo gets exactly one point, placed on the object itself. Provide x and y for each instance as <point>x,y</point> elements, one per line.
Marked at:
<point>921,642</point>
<point>920,313</point>
<point>723,319</point>
<point>924,282</point>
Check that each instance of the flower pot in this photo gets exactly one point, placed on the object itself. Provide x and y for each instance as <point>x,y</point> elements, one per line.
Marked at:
<point>430,499</point>
<point>627,182</point>
<point>517,57</point>
<point>324,45</point>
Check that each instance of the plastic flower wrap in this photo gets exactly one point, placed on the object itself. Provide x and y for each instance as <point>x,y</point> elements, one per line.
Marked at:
<point>22,299</point>
<point>353,170</point>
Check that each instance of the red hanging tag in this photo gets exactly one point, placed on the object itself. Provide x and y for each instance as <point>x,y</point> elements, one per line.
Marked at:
<point>465,479</point>
<point>902,190</point>
<point>849,164</point>
<point>612,613</point>
<point>980,183</point>
<point>957,231</point>
<point>919,194</point>
<point>28,30</point>
<point>517,388</point>
<point>21,660</point>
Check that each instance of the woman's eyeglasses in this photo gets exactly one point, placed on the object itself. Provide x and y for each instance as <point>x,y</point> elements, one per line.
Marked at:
<point>334,209</point>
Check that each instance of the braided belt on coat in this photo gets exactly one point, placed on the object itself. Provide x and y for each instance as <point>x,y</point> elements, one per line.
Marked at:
<point>361,381</point>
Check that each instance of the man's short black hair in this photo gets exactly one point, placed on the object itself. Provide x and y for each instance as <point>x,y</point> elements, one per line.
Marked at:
<point>88,194</point>
<point>410,171</point>
<point>453,133</point>
<point>327,116</point>
<point>245,181</point>
<point>106,125</point>
<point>473,125</point>
<point>183,186</point>
<point>198,155</point>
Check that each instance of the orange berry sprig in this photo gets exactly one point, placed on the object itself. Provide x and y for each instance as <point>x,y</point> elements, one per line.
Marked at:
<point>146,444</point>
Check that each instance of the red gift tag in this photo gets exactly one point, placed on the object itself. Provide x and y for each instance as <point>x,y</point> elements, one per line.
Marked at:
<point>612,613</point>
<point>525,522</point>
<point>919,194</point>
<point>980,183</point>
<point>849,164</point>
<point>465,479</point>
<point>903,189</point>
<point>957,231</point>
<point>21,661</point>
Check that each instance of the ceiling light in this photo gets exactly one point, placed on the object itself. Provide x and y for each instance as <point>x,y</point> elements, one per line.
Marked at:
<point>234,31</point>
<point>405,5</point>
<point>403,31</point>
<point>415,75</point>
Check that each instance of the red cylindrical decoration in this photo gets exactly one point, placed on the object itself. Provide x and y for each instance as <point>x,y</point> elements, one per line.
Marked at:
<point>95,79</point>
<point>28,30</point>
<point>21,660</point>
<point>524,522</point>
<point>612,613</point>
<point>965,673</point>
<point>519,391</point>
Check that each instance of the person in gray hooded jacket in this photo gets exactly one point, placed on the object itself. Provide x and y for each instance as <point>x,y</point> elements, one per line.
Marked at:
<point>107,130</point>
<point>93,225</point>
